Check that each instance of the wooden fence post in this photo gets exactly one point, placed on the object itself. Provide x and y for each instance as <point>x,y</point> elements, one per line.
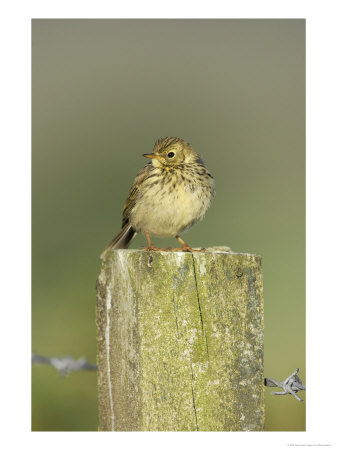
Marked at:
<point>180,341</point>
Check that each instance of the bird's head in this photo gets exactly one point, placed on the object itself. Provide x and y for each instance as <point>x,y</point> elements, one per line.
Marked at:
<point>172,151</point>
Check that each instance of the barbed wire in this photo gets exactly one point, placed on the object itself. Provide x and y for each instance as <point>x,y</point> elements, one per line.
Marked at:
<point>290,385</point>
<point>64,365</point>
<point>68,364</point>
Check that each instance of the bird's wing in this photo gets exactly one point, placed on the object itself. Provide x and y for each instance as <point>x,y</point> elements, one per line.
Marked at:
<point>135,191</point>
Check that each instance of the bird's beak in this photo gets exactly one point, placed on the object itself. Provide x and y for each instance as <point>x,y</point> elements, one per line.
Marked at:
<point>151,156</point>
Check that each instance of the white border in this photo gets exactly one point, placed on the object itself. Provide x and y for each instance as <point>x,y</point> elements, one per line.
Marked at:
<point>321,221</point>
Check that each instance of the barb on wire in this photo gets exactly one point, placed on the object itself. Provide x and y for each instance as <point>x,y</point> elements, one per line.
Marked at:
<point>64,365</point>
<point>291,385</point>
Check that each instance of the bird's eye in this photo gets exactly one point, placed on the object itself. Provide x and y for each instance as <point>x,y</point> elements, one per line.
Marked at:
<point>170,154</point>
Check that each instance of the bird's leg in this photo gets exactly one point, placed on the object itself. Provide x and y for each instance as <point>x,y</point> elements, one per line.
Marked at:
<point>185,247</point>
<point>149,243</point>
<point>151,247</point>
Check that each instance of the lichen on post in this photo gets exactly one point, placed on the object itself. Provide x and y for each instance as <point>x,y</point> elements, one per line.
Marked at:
<point>180,341</point>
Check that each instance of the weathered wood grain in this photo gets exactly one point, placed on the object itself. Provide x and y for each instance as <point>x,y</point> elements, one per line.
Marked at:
<point>180,341</point>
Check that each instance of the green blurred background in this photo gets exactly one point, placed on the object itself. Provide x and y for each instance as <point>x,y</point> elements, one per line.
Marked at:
<point>102,92</point>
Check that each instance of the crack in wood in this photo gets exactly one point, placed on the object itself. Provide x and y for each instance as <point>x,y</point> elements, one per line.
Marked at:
<point>199,306</point>
<point>193,399</point>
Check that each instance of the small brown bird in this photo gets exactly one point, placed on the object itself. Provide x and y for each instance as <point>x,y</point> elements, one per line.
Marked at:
<point>168,196</point>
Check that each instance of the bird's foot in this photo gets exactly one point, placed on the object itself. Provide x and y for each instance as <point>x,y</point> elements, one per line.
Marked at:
<point>187,248</point>
<point>184,248</point>
<point>152,248</point>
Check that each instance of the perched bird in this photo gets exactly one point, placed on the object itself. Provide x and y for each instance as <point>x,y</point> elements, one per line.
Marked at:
<point>168,196</point>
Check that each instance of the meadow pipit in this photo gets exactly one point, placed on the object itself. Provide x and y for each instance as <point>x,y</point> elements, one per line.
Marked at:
<point>168,196</point>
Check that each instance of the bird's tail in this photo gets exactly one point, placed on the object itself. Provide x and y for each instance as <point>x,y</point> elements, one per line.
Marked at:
<point>122,240</point>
